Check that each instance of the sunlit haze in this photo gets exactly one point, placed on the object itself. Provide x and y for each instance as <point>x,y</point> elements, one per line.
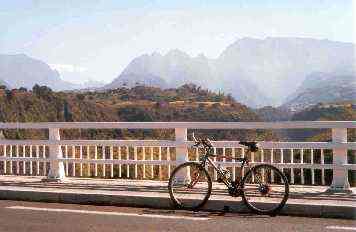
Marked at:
<point>98,39</point>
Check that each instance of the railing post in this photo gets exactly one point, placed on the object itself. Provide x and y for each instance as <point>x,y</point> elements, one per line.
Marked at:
<point>181,151</point>
<point>56,171</point>
<point>340,174</point>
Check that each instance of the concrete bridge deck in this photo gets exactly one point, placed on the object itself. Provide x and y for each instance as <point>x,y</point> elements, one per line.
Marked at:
<point>311,201</point>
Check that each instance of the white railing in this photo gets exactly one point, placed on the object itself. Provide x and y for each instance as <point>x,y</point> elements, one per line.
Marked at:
<point>303,162</point>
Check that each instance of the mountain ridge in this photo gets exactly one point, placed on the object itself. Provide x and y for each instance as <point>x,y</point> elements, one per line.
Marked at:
<point>322,87</point>
<point>266,66</point>
<point>21,70</point>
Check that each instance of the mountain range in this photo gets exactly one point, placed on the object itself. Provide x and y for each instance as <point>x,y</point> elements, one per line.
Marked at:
<point>293,72</point>
<point>256,72</point>
<point>21,70</point>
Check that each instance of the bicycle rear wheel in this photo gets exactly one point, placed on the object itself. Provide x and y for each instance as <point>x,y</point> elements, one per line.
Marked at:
<point>265,189</point>
<point>189,186</point>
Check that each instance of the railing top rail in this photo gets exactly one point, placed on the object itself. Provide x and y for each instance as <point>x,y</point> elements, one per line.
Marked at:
<point>189,125</point>
<point>172,143</point>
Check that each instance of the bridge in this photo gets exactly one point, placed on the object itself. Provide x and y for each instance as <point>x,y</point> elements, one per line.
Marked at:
<point>135,172</point>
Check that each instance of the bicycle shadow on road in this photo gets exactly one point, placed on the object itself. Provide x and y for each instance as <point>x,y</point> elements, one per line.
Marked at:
<point>204,214</point>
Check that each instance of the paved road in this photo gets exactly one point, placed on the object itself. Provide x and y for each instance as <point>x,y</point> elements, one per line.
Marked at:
<point>31,216</point>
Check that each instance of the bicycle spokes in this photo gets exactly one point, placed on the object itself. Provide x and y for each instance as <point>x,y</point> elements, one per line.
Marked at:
<point>265,188</point>
<point>190,185</point>
<point>194,179</point>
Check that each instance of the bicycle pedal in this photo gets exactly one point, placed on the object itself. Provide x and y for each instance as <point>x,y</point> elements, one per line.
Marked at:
<point>235,192</point>
<point>226,208</point>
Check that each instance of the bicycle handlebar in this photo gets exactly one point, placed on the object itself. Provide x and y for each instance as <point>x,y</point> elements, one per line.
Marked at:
<point>252,146</point>
<point>195,140</point>
<point>205,142</point>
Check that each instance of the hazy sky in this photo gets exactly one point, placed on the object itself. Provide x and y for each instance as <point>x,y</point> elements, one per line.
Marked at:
<point>98,39</point>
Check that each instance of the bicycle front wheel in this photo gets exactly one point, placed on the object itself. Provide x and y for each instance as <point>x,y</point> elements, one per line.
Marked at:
<point>265,189</point>
<point>189,186</point>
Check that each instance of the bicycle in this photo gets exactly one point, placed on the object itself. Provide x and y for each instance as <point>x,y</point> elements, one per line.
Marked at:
<point>264,188</point>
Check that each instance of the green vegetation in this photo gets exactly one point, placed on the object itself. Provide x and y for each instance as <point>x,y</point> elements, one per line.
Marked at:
<point>138,104</point>
<point>343,111</point>
<point>143,104</point>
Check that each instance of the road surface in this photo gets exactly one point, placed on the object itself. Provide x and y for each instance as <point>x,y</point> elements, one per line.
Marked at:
<point>32,216</point>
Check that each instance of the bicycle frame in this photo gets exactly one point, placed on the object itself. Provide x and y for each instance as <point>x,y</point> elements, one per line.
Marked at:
<point>244,162</point>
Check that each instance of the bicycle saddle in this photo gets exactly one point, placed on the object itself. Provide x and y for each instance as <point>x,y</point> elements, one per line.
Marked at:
<point>252,146</point>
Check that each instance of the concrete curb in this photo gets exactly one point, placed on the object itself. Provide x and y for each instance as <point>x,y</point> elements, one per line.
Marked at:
<point>305,210</point>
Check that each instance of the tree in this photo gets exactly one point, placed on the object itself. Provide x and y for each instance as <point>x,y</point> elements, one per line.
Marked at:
<point>42,91</point>
<point>68,117</point>
<point>9,95</point>
<point>80,97</point>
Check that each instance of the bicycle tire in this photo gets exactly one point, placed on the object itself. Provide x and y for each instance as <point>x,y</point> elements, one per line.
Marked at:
<point>190,203</point>
<point>265,189</point>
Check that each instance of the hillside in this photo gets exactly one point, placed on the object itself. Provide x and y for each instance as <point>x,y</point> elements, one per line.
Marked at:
<point>273,114</point>
<point>323,87</point>
<point>132,80</point>
<point>342,111</point>
<point>186,103</point>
